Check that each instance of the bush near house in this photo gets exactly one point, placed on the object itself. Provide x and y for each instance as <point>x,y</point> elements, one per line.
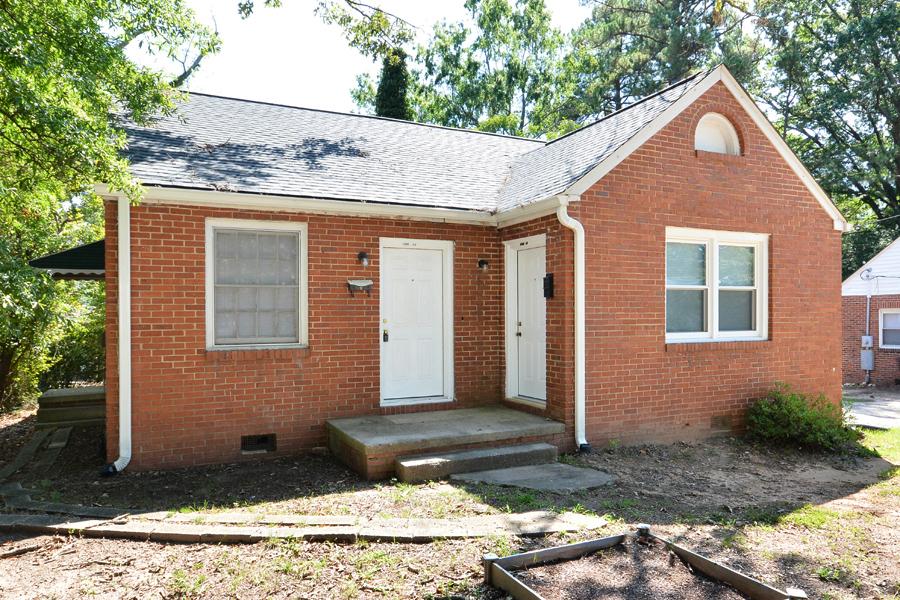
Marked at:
<point>789,417</point>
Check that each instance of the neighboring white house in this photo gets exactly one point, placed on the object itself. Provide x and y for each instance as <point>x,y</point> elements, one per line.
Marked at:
<point>871,315</point>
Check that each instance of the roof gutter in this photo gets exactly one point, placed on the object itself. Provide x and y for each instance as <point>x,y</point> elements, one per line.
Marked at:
<point>578,229</point>
<point>124,337</point>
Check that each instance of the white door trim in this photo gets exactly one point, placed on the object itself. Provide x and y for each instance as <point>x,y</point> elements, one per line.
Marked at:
<point>511,247</point>
<point>446,247</point>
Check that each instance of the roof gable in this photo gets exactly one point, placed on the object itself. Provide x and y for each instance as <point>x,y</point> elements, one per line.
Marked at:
<point>885,274</point>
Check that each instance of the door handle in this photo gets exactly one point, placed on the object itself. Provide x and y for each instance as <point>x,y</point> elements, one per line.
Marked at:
<point>384,336</point>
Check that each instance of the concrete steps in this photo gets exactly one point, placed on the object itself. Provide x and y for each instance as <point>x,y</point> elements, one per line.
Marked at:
<point>371,444</point>
<point>426,467</point>
<point>72,407</point>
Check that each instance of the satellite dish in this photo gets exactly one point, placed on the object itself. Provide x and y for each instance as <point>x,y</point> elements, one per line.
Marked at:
<point>866,274</point>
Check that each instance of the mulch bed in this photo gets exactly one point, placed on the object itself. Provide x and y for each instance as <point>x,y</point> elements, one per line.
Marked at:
<point>632,571</point>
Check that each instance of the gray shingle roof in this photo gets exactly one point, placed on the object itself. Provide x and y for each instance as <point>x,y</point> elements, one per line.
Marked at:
<point>235,145</point>
<point>555,166</point>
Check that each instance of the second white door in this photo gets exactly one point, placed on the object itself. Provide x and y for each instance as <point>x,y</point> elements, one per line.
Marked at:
<point>531,323</point>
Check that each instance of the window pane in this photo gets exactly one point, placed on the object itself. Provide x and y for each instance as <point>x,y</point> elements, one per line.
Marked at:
<point>890,337</point>
<point>736,265</point>
<point>256,286</point>
<point>890,320</point>
<point>737,310</point>
<point>685,264</point>
<point>685,311</point>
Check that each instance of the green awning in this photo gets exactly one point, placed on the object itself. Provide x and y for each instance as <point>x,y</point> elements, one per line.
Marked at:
<point>82,262</point>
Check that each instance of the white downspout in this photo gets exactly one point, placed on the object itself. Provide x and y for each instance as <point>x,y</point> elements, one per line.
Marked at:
<point>124,338</point>
<point>567,221</point>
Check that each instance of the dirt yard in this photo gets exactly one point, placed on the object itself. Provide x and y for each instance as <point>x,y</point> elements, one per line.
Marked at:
<point>827,524</point>
<point>633,571</point>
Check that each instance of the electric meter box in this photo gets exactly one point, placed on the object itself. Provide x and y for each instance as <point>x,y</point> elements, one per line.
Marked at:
<point>867,359</point>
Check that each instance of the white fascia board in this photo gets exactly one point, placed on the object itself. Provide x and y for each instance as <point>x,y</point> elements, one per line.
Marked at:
<point>644,134</point>
<point>751,108</point>
<point>747,103</point>
<point>221,199</point>
<point>213,198</point>
<point>529,212</point>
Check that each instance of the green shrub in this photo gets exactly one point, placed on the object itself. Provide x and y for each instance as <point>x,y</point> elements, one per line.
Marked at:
<point>789,417</point>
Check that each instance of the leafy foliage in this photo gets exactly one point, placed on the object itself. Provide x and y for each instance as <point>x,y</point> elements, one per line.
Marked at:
<point>833,79</point>
<point>489,75</point>
<point>64,70</point>
<point>79,354</point>
<point>34,310</point>
<point>785,416</point>
<point>391,99</point>
<point>628,49</point>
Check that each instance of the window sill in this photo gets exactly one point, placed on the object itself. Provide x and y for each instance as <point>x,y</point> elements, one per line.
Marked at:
<point>256,353</point>
<point>718,157</point>
<point>256,347</point>
<point>685,347</point>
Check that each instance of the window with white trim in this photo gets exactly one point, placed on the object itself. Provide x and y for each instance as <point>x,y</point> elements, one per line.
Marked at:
<point>256,283</point>
<point>889,328</point>
<point>715,133</point>
<point>715,285</point>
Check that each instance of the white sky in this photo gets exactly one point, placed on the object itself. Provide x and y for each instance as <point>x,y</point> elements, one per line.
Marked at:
<point>287,55</point>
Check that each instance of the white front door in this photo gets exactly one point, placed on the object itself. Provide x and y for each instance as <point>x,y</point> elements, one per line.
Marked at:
<point>415,301</point>
<point>526,319</point>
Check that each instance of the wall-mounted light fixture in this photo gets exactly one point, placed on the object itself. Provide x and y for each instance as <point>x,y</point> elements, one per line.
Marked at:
<point>363,258</point>
<point>483,264</point>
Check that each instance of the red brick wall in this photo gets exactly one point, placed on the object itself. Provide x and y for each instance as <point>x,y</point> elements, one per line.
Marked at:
<point>887,362</point>
<point>191,406</point>
<point>640,388</point>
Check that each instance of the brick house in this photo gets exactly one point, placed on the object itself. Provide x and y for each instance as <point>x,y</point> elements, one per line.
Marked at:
<point>295,278</point>
<point>871,318</point>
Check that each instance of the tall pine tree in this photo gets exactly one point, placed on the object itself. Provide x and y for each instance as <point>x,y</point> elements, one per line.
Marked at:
<point>391,98</point>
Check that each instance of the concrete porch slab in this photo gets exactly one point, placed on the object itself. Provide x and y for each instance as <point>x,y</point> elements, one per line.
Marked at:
<point>552,477</point>
<point>420,431</point>
<point>370,444</point>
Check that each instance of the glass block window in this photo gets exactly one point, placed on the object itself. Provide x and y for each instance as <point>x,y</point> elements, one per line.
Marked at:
<point>256,286</point>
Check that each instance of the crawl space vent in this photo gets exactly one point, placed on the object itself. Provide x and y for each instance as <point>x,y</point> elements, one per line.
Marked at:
<point>258,443</point>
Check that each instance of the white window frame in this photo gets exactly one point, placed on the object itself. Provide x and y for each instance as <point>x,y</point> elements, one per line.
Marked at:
<point>881,314</point>
<point>713,239</point>
<point>721,125</point>
<point>212,224</point>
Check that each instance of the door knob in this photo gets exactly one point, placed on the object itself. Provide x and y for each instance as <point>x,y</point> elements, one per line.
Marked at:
<point>384,336</point>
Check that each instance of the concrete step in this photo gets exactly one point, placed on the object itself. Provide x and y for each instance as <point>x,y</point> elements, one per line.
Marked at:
<point>57,417</point>
<point>425,467</point>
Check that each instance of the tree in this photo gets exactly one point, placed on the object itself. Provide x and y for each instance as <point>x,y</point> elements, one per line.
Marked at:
<point>391,99</point>
<point>834,83</point>
<point>64,70</point>
<point>488,76</point>
<point>34,310</point>
<point>67,83</point>
<point>368,28</point>
<point>631,48</point>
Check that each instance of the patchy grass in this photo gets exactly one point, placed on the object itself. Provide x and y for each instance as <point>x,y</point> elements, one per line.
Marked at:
<point>886,443</point>
<point>813,517</point>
